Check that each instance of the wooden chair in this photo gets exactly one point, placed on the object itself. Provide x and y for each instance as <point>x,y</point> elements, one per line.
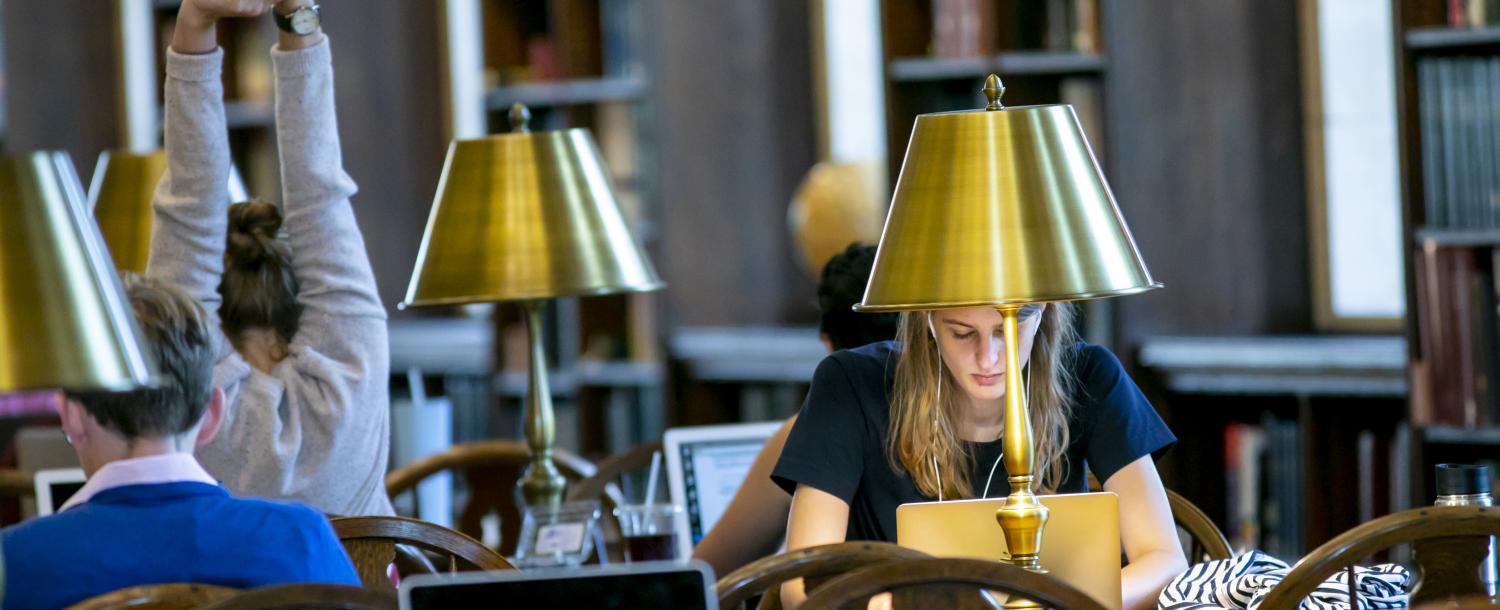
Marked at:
<point>1206,542</point>
<point>604,486</point>
<point>372,545</point>
<point>1448,543</point>
<point>309,597</point>
<point>816,564</point>
<point>171,596</point>
<point>909,582</point>
<point>491,469</point>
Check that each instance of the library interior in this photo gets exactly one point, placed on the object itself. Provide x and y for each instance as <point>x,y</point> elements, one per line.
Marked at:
<point>716,304</point>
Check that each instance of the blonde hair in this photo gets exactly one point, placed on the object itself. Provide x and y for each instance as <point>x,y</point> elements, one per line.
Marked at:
<point>924,416</point>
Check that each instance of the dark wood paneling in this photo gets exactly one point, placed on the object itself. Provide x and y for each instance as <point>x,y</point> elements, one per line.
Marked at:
<point>386,61</point>
<point>60,84</point>
<point>1205,142</point>
<point>735,117</point>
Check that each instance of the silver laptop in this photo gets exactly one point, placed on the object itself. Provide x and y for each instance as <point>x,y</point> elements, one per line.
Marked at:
<point>54,487</point>
<point>705,467</point>
<point>650,585</point>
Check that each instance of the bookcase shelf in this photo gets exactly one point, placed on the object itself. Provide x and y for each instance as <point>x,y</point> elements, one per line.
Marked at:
<point>1444,75</point>
<point>1454,435</point>
<point>567,93</point>
<point>1440,39</point>
<point>1013,63</point>
<point>1459,237</point>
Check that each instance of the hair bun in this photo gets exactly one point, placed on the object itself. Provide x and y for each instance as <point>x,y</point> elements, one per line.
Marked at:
<point>252,233</point>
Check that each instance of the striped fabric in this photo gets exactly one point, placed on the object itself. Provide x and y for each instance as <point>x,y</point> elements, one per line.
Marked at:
<point>1241,582</point>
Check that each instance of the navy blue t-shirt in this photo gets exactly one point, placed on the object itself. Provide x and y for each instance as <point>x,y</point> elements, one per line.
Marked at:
<point>839,442</point>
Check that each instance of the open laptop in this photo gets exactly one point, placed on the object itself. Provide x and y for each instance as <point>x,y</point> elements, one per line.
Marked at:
<point>54,487</point>
<point>705,467</point>
<point>659,584</point>
<point>1080,545</point>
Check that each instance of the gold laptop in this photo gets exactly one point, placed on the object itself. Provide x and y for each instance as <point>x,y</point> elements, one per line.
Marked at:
<point>1080,545</point>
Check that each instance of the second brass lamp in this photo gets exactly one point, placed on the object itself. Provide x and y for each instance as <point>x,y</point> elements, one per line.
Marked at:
<point>1004,207</point>
<point>528,216</point>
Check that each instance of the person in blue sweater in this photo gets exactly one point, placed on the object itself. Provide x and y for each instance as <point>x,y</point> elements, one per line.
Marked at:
<point>149,513</point>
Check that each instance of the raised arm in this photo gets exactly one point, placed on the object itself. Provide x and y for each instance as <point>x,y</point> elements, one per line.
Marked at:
<point>337,287</point>
<point>187,241</point>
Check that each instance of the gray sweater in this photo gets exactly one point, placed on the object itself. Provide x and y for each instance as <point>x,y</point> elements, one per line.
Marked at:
<point>316,429</point>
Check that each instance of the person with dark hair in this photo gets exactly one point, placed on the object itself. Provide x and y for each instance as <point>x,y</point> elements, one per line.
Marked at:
<point>149,513</point>
<point>303,357</point>
<point>754,523</point>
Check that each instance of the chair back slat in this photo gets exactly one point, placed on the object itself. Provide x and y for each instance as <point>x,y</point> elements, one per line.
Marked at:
<point>1448,542</point>
<point>168,596</point>
<point>764,576</point>
<point>372,545</point>
<point>491,469</point>
<point>309,597</point>
<point>911,579</point>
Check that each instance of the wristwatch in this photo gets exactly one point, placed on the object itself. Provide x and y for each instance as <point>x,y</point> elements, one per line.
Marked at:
<point>300,22</point>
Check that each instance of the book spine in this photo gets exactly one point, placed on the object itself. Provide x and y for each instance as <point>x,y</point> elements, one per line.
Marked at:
<point>1429,103</point>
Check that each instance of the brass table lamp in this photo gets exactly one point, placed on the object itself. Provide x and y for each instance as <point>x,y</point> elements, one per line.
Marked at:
<point>1004,207</point>
<point>526,217</point>
<point>120,197</point>
<point>64,320</point>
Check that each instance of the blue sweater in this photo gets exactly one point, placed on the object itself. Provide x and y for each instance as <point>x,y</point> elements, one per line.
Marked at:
<point>167,532</point>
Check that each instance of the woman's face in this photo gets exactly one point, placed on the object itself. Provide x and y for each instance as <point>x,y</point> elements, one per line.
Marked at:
<point>972,343</point>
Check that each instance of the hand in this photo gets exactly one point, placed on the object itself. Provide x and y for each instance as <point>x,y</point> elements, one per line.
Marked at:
<point>213,10</point>
<point>194,32</point>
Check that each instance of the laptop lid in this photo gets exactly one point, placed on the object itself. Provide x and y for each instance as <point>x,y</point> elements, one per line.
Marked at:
<point>54,487</point>
<point>1080,545</point>
<point>705,467</point>
<point>661,584</point>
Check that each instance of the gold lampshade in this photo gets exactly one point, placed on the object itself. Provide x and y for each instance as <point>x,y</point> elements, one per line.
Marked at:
<point>1002,206</point>
<point>526,215</point>
<point>64,320</point>
<point>120,196</point>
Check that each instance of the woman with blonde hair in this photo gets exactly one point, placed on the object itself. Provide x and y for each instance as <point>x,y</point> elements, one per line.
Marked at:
<point>920,419</point>
<point>303,358</point>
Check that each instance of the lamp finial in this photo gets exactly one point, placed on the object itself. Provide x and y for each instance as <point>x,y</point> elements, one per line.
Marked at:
<point>993,89</point>
<point>520,118</point>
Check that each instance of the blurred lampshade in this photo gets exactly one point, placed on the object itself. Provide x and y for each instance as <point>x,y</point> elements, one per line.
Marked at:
<point>522,216</point>
<point>836,205</point>
<point>120,195</point>
<point>1002,206</point>
<point>64,320</point>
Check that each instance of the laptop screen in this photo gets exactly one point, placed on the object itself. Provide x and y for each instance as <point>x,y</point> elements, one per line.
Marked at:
<point>627,587</point>
<point>712,472</point>
<point>54,487</point>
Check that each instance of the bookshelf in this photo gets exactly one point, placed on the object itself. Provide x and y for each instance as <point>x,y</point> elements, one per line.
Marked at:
<point>1448,84</point>
<point>145,31</point>
<point>574,63</point>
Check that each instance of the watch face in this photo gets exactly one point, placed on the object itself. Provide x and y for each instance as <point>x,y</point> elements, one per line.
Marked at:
<point>304,21</point>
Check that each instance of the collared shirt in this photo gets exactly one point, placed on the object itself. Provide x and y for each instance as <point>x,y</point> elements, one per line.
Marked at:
<point>166,468</point>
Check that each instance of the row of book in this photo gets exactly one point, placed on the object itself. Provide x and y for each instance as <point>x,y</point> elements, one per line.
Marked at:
<point>1459,325</point>
<point>1459,99</point>
<point>1263,478</point>
<point>1473,13</point>
<point>975,28</point>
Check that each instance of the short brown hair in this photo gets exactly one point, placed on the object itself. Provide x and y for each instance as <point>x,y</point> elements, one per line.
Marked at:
<point>178,338</point>
<point>258,287</point>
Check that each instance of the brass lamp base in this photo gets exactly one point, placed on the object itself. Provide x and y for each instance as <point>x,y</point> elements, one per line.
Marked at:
<point>541,483</point>
<point>1022,518</point>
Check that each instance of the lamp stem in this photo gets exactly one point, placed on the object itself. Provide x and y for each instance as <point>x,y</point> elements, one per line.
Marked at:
<point>1022,517</point>
<point>541,483</point>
